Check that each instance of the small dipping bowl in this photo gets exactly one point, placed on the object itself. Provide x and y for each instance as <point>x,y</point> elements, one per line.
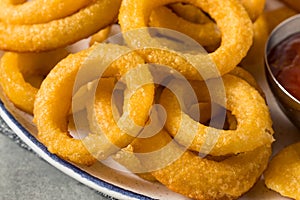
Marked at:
<point>288,103</point>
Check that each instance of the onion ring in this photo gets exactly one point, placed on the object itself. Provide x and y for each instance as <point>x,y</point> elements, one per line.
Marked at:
<point>22,74</point>
<point>60,32</point>
<point>38,11</point>
<point>50,112</point>
<point>200,178</point>
<point>236,38</point>
<point>282,174</point>
<point>243,138</point>
<point>196,177</point>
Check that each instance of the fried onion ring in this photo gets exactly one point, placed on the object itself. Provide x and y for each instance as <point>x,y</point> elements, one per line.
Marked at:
<point>196,177</point>
<point>283,174</point>
<point>51,109</point>
<point>60,32</point>
<point>22,74</point>
<point>38,11</point>
<point>236,37</point>
<point>53,103</point>
<point>244,138</point>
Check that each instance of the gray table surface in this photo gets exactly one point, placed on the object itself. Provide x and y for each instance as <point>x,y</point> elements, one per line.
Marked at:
<point>24,175</point>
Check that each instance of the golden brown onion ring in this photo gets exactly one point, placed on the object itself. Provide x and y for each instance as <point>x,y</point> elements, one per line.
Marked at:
<point>38,11</point>
<point>236,37</point>
<point>254,127</point>
<point>283,174</point>
<point>51,110</point>
<point>61,32</point>
<point>53,103</point>
<point>196,177</point>
<point>22,74</point>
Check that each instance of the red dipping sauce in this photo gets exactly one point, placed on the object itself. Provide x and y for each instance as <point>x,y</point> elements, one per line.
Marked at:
<point>284,61</point>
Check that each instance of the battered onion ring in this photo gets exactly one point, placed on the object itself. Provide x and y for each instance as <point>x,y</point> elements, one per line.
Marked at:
<point>205,34</point>
<point>200,178</point>
<point>60,32</point>
<point>22,74</point>
<point>51,109</point>
<point>139,106</point>
<point>38,11</point>
<point>196,177</point>
<point>53,103</point>
<point>254,127</point>
<point>283,174</point>
<point>236,28</point>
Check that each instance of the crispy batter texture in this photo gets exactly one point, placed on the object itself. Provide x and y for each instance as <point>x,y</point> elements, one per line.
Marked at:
<point>236,28</point>
<point>283,172</point>
<point>137,106</point>
<point>54,100</point>
<point>51,110</point>
<point>201,178</point>
<point>22,74</point>
<point>254,127</point>
<point>245,75</point>
<point>60,32</point>
<point>39,11</point>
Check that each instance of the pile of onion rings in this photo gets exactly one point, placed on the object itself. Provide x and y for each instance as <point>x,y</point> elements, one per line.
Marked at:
<point>59,27</point>
<point>121,110</point>
<point>22,74</point>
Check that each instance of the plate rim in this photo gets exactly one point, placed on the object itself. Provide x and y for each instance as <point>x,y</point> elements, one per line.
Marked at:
<point>67,168</point>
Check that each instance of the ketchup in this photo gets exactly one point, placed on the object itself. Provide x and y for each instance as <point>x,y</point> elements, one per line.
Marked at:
<point>284,60</point>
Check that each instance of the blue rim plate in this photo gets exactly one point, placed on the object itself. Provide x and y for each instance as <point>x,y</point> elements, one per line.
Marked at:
<point>66,167</point>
